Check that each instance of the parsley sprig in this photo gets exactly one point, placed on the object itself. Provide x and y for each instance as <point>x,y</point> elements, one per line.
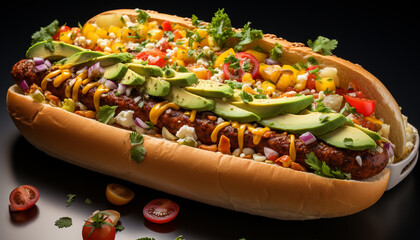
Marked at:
<point>220,27</point>
<point>45,34</point>
<point>137,151</point>
<point>323,45</point>
<point>322,169</point>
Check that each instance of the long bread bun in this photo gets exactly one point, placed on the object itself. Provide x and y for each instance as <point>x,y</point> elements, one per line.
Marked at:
<point>386,106</point>
<point>212,178</point>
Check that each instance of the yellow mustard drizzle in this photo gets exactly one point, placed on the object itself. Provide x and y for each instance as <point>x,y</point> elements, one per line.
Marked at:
<point>216,130</point>
<point>49,76</point>
<point>97,96</point>
<point>193,115</point>
<point>292,148</point>
<point>90,86</point>
<point>158,110</point>
<point>65,74</point>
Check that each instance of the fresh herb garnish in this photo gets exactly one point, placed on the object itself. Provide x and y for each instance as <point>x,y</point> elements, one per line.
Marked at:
<point>276,52</point>
<point>322,169</point>
<point>220,27</point>
<point>196,22</point>
<point>63,222</point>
<point>137,151</point>
<point>45,34</point>
<point>88,201</point>
<point>105,113</point>
<point>234,84</point>
<point>247,35</point>
<point>142,16</point>
<point>323,45</point>
<point>70,199</point>
<point>246,97</point>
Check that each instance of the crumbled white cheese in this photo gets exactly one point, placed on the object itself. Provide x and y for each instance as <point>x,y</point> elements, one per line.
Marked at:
<point>186,131</point>
<point>258,157</point>
<point>126,119</point>
<point>359,160</point>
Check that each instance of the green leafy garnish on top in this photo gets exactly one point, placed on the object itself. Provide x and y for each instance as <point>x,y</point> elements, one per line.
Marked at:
<point>323,45</point>
<point>137,151</point>
<point>220,27</point>
<point>322,169</point>
<point>45,34</point>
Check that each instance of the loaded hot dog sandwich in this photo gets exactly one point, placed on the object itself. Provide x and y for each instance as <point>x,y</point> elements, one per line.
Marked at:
<point>229,117</point>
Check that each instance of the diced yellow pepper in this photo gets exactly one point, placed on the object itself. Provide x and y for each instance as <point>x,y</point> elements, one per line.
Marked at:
<point>128,35</point>
<point>65,37</point>
<point>247,79</point>
<point>270,72</point>
<point>102,33</point>
<point>155,34</point>
<point>203,36</point>
<point>182,53</point>
<point>258,55</point>
<point>287,78</point>
<point>249,89</point>
<point>324,84</point>
<point>267,87</point>
<point>221,58</point>
<point>118,47</point>
<point>88,28</point>
<point>92,36</point>
<point>116,30</point>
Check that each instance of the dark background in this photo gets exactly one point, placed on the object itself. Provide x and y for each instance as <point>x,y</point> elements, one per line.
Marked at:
<point>382,37</point>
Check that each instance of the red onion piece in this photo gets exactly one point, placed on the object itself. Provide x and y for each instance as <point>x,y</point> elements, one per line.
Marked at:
<point>24,86</point>
<point>270,61</point>
<point>307,138</point>
<point>141,123</point>
<point>41,68</point>
<point>47,63</point>
<point>110,84</point>
<point>389,148</point>
<point>38,60</point>
<point>121,88</point>
<point>270,154</point>
<point>95,71</point>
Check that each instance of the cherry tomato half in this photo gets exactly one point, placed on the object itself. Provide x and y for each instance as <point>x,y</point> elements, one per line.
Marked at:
<point>166,26</point>
<point>98,227</point>
<point>23,197</point>
<point>161,210</point>
<point>243,58</point>
<point>153,56</point>
<point>364,106</point>
<point>118,195</point>
<point>63,28</point>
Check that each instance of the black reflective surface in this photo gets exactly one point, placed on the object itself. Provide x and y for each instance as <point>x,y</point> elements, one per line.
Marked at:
<point>381,39</point>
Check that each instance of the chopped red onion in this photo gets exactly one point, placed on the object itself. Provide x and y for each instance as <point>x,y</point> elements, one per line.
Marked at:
<point>389,148</point>
<point>95,71</point>
<point>38,60</point>
<point>110,84</point>
<point>47,63</point>
<point>141,123</point>
<point>270,61</point>
<point>24,86</point>
<point>270,153</point>
<point>307,138</point>
<point>41,68</point>
<point>81,70</point>
<point>121,88</point>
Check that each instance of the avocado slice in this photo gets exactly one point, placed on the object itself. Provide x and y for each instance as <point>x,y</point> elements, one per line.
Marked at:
<point>60,50</point>
<point>81,57</point>
<point>115,72</point>
<point>155,87</point>
<point>188,100</point>
<point>267,108</point>
<point>132,78</point>
<point>146,70</point>
<point>348,137</point>
<point>374,135</point>
<point>105,60</point>
<point>231,112</point>
<point>182,79</point>
<point>209,88</point>
<point>315,122</point>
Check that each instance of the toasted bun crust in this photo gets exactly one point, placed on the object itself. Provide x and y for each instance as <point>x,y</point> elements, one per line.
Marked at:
<point>212,178</point>
<point>386,106</point>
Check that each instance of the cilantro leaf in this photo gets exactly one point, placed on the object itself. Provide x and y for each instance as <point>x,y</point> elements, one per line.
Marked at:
<point>322,169</point>
<point>142,16</point>
<point>276,52</point>
<point>63,222</point>
<point>234,84</point>
<point>137,151</point>
<point>105,113</point>
<point>136,138</point>
<point>323,45</point>
<point>220,27</point>
<point>247,35</point>
<point>196,22</point>
<point>45,34</point>
<point>246,97</point>
<point>70,199</point>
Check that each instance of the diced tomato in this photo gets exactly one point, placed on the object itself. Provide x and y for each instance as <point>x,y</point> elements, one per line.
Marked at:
<point>163,44</point>
<point>166,26</point>
<point>310,82</point>
<point>153,56</point>
<point>177,35</point>
<point>364,106</point>
<point>243,58</point>
<point>63,28</point>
